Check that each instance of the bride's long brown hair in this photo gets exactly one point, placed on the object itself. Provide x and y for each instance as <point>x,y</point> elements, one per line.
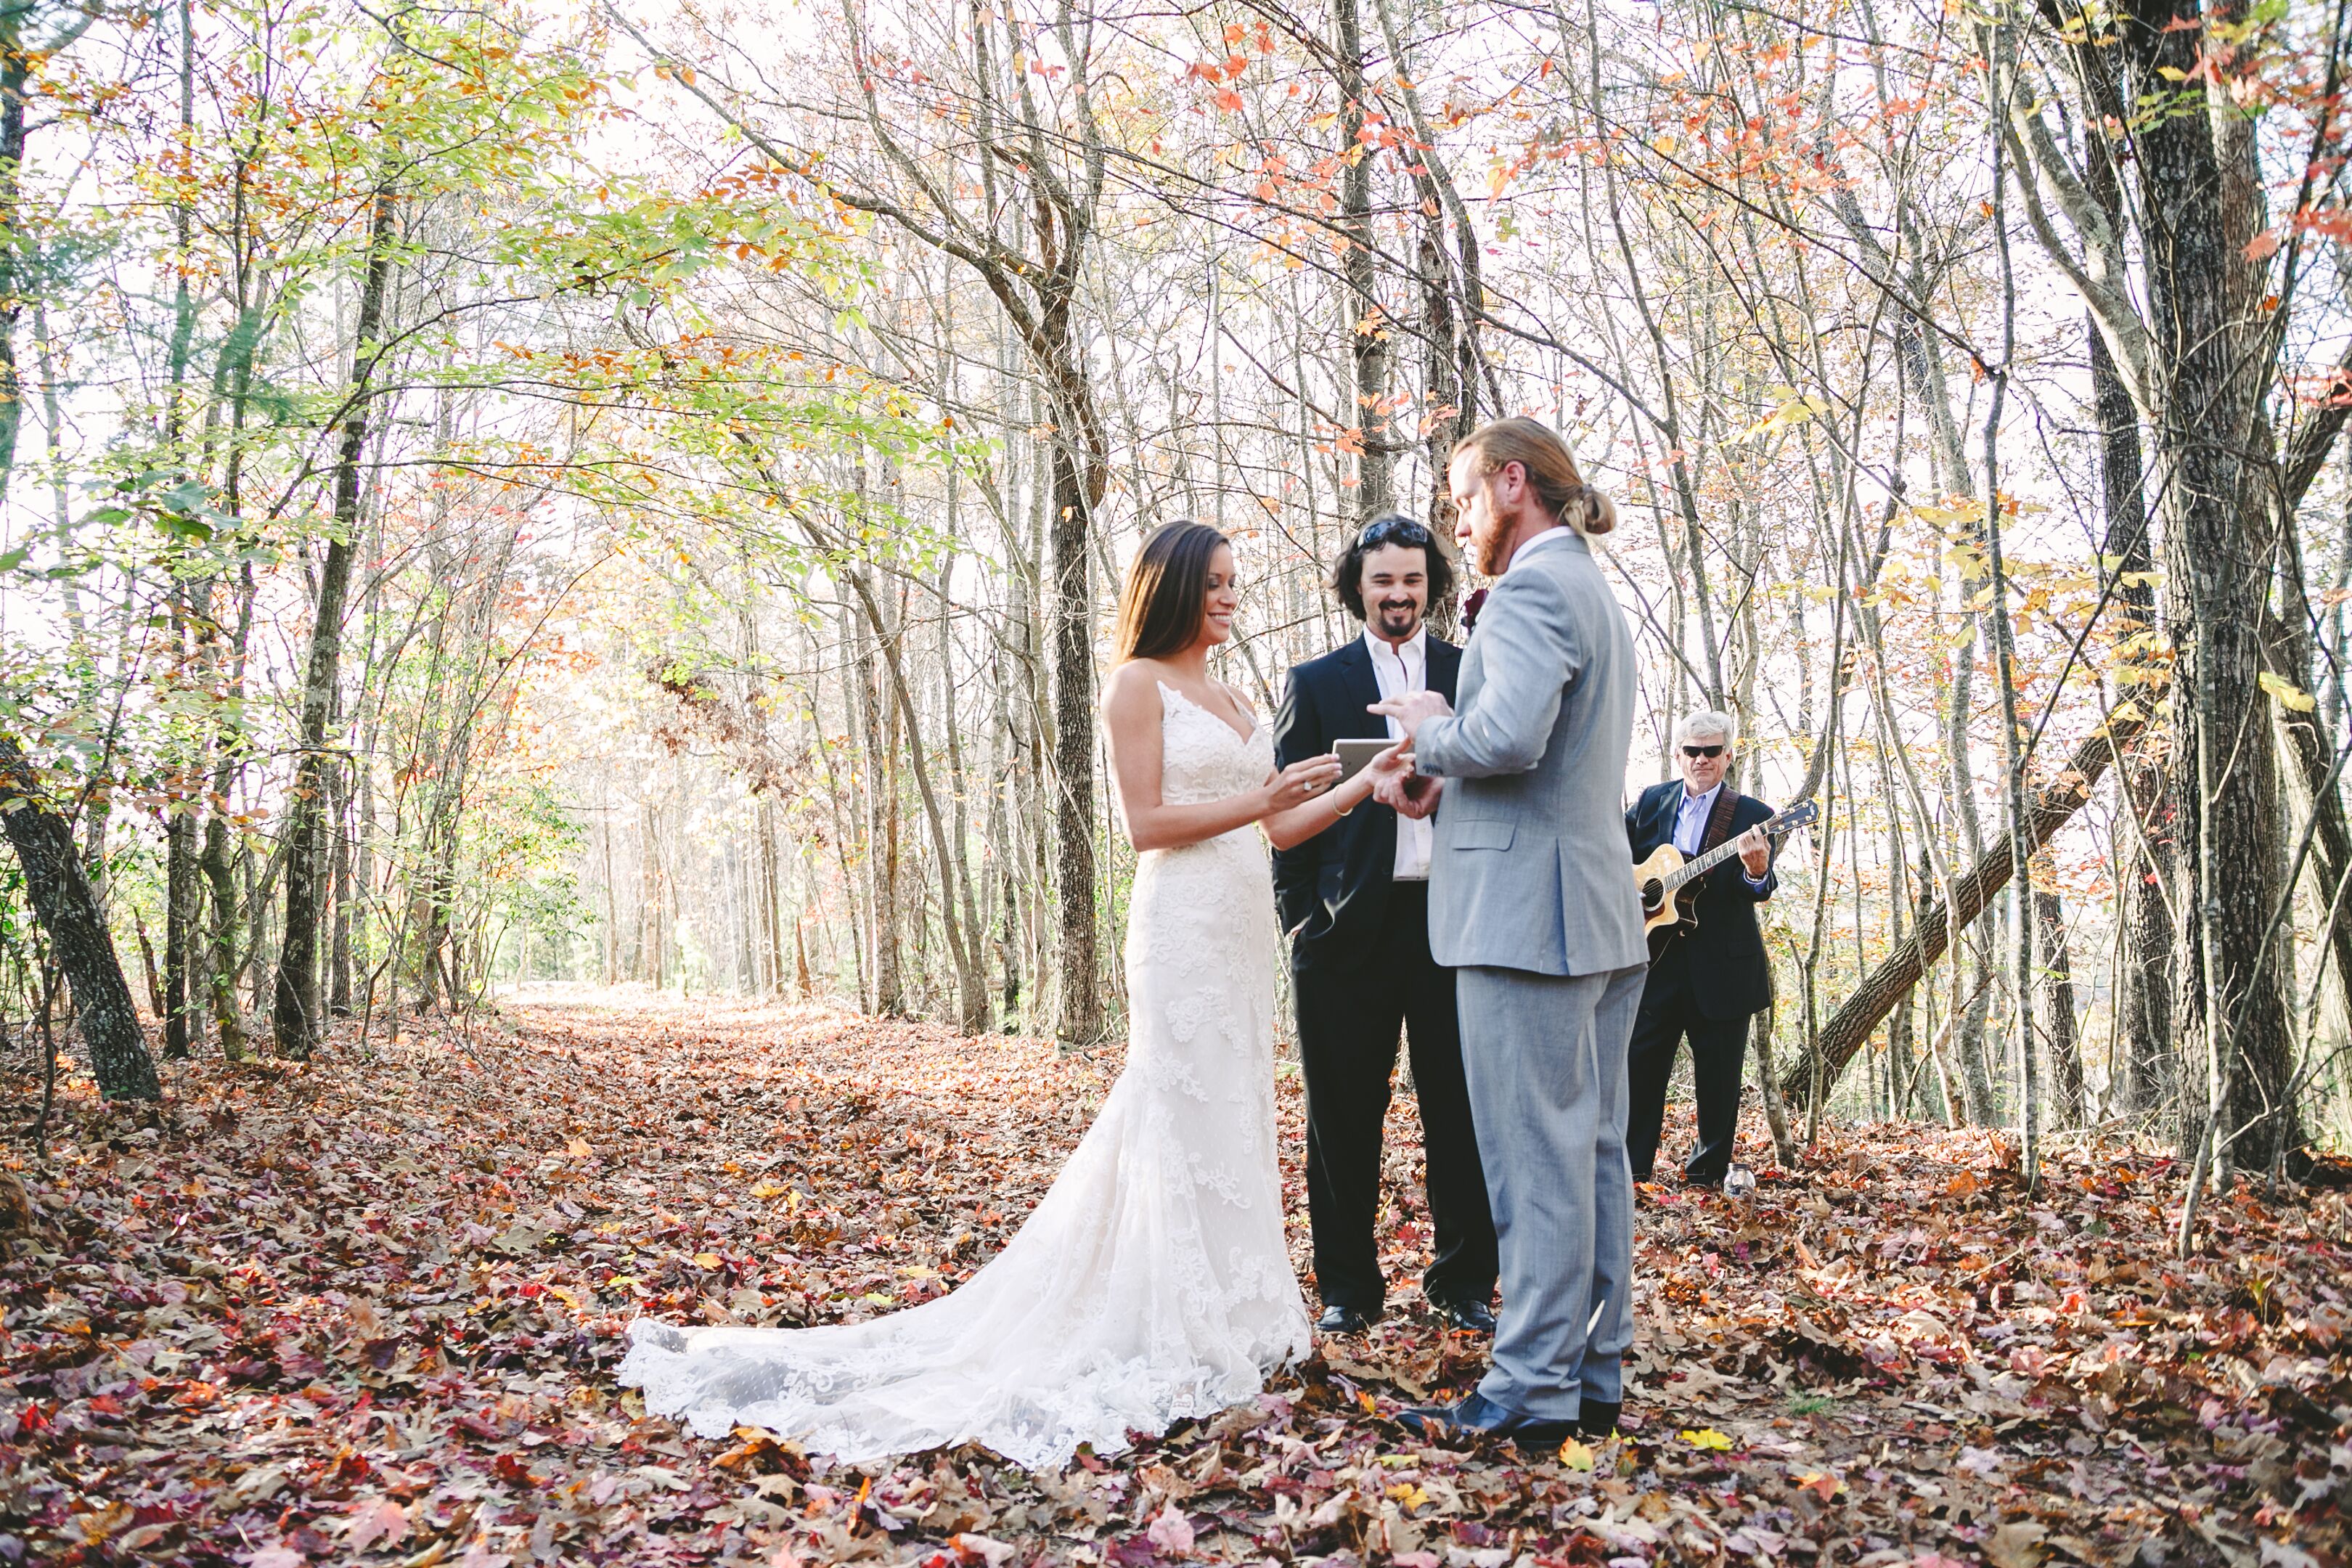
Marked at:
<point>1165,599</point>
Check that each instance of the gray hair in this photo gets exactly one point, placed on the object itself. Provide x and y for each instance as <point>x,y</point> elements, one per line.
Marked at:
<point>1706,722</point>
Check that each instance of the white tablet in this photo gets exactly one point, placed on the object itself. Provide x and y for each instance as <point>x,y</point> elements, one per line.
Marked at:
<point>1355,754</point>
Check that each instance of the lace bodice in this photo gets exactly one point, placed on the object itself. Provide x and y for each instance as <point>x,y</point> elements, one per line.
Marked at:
<point>1152,1283</point>
<point>1201,756</point>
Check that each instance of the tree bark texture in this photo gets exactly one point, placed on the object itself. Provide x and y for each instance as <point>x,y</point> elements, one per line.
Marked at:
<point>15,71</point>
<point>67,909</point>
<point>1080,1019</point>
<point>297,1014</point>
<point>1369,348</point>
<point>179,930</point>
<point>2206,375</point>
<point>226,966</point>
<point>2146,859</point>
<point>2070,1099</point>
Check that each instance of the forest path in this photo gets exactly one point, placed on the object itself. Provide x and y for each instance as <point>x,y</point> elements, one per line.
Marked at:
<point>367,1310</point>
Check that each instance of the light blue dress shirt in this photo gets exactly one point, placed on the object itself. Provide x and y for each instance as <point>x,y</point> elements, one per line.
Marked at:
<point>1690,826</point>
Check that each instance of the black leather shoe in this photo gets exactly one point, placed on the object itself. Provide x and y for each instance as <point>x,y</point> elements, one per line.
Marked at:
<point>1482,1417</point>
<point>1466,1317</point>
<point>1596,1418</point>
<point>1341,1318</point>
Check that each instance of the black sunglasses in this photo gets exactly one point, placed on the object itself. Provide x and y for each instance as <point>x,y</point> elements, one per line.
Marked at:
<point>1402,529</point>
<point>1702,751</point>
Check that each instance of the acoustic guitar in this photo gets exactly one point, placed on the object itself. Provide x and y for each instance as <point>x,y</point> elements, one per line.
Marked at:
<point>1669,884</point>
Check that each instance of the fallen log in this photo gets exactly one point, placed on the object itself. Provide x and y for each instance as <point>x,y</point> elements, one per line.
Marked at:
<point>1842,1039</point>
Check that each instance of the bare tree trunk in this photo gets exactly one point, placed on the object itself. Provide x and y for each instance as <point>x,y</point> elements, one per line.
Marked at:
<point>973,1000</point>
<point>178,927</point>
<point>1768,1088</point>
<point>880,773</point>
<point>772,926</point>
<point>1079,1019</point>
<point>297,1016</point>
<point>2144,862</point>
<point>2016,792</point>
<point>1369,350</point>
<point>228,1018</point>
<point>2205,391</point>
<point>2072,1099</point>
<point>2307,741</point>
<point>1005,854</point>
<point>338,989</point>
<point>59,888</point>
<point>971,967</point>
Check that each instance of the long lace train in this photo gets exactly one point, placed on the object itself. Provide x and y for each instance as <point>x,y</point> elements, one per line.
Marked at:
<point>1151,1283</point>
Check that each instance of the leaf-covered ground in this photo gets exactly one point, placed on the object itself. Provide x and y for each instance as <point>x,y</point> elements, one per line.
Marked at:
<point>368,1311</point>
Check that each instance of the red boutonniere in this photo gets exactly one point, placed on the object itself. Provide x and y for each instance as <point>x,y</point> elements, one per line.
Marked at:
<point>1470,608</point>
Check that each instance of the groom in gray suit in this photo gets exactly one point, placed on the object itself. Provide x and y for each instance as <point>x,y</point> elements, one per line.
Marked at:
<point>1530,901</point>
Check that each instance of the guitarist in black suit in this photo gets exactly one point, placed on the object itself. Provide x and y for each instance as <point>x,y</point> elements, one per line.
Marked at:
<point>1710,980</point>
<point>1353,884</point>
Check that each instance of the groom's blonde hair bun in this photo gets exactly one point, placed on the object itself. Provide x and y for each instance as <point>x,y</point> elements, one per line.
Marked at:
<point>1550,469</point>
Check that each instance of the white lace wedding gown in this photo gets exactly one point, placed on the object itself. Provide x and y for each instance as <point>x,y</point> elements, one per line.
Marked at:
<point>1151,1283</point>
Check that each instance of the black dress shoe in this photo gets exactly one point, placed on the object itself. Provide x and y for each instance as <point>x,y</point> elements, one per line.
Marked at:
<point>1596,1418</point>
<point>1479,1416</point>
<point>1341,1318</point>
<point>1466,1317</point>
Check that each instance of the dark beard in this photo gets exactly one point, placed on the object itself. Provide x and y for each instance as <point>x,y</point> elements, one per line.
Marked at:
<point>1384,622</point>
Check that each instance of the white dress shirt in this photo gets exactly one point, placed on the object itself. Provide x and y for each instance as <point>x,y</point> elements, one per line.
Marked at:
<point>1400,670</point>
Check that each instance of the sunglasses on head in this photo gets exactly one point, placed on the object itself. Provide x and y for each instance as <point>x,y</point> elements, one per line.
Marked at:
<point>1391,530</point>
<point>1714,751</point>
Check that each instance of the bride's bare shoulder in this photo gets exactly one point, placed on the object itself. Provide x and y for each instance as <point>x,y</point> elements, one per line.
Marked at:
<point>1133,686</point>
<point>1136,676</point>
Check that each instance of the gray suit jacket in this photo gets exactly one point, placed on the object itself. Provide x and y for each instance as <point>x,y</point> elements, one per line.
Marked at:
<point>1528,869</point>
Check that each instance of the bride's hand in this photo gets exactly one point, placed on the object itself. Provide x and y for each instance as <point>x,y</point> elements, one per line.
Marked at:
<point>1301,782</point>
<point>1392,766</point>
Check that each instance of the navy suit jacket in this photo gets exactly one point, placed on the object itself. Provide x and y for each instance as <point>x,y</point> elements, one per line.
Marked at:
<point>1336,885</point>
<point>1729,974</point>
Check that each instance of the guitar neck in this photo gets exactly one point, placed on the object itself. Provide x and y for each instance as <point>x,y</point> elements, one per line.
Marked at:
<point>1690,869</point>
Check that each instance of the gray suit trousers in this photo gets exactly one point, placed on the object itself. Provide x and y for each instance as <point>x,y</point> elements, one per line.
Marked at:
<point>1545,1057</point>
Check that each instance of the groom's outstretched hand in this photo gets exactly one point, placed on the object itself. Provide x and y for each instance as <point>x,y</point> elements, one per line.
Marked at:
<point>1409,795</point>
<point>1395,785</point>
<point>1413,709</point>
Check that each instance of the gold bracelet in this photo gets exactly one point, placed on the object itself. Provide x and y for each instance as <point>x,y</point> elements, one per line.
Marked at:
<point>1342,811</point>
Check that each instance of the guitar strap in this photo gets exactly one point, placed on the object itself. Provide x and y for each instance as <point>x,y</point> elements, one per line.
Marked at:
<point>1719,821</point>
<point>1719,829</point>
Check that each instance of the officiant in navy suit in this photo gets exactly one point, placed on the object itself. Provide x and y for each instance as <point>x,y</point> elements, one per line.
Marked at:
<point>1709,980</point>
<point>1354,887</point>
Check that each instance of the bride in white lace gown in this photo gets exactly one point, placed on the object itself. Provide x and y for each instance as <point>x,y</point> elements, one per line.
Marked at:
<point>1152,1283</point>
